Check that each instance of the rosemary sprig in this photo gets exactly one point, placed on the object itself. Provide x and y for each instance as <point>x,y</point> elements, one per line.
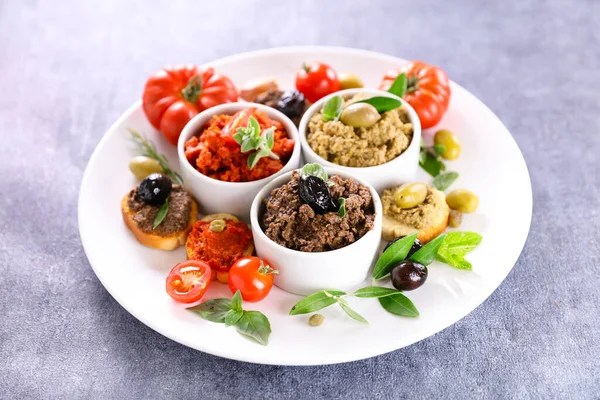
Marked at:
<point>148,149</point>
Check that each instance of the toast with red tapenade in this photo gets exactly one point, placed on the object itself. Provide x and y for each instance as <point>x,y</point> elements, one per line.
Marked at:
<point>141,217</point>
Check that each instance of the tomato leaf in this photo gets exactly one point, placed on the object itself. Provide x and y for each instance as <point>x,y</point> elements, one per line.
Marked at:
<point>399,86</point>
<point>426,254</point>
<point>316,301</point>
<point>333,108</point>
<point>236,301</point>
<point>399,304</point>
<point>213,310</point>
<point>254,325</point>
<point>314,169</point>
<point>371,292</point>
<point>233,316</point>
<point>382,103</point>
<point>351,313</point>
<point>161,214</point>
<point>444,180</point>
<point>394,254</point>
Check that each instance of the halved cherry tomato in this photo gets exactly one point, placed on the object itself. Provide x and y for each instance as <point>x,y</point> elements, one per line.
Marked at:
<point>253,277</point>
<point>175,94</point>
<point>428,90</point>
<point>239,120</point>
<point>188,281</point>
<point>317,80</point>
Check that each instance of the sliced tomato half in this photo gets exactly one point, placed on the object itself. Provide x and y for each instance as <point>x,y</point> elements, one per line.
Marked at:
<point>188,281</point>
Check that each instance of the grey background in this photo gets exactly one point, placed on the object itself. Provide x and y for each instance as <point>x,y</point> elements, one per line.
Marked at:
<point>68,70</point>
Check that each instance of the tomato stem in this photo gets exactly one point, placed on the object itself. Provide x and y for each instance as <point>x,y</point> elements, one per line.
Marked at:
<point>305,67</point>
<point>266,269</point>
<point>191,92</point>
<point>412,83</point>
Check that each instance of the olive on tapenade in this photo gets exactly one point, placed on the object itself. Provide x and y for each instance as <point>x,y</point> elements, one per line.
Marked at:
<point>155,189</point>
<point>415,247</point>
<point>409,275</point>
<point>292,103</point>
<point>314,191</point>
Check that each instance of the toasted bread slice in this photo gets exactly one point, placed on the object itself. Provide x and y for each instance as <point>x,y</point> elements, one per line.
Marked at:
<point>169,242</point>
<point>393,228</point>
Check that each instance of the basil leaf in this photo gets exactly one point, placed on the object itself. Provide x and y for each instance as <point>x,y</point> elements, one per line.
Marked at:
<point>316,301</point>
<point>332,108</point>
<point>371,292</point>
<point>161,214</point>
<point>399,304</point>
<point>439,148</point>
<point>394,254</point>
<point>213,310</point>
<point>455,246</point>
<point>342,208</point>
<point>236,301</point>
<point>426,254</point>
<point>399,86</point>
<point>443,181</point>
<point>351,313</point>
<point>382,103</point>
<point>430,163</point>
<point>314,169</point>
<point>233,316</point>
<point>254,325</point>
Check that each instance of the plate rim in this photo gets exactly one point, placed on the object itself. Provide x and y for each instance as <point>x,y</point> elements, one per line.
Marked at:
<point>339,358</point>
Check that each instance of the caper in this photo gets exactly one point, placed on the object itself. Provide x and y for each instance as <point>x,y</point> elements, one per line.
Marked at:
<point>316,319</point>
<point>450,142</point>
<point>217,226</point>
<point>142,166</point>
<point>455,218</point>
<point>349,81</point>
<point>360,115</point>
<point>462,200</point>
<point>410,195</point>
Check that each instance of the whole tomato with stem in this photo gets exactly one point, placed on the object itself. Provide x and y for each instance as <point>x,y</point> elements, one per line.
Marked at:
<point>175,94</point>
<point>253,277</point>
<point>317,80</point>
<point>188,281</point>
<point>427,91</point>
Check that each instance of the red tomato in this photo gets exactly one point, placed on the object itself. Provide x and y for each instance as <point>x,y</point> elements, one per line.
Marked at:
<point>428,90</point>
<point>175,94</point>
<point>317,80</point>
<point>239,120</point>
<point>188,281</point>
<point>253,277</point>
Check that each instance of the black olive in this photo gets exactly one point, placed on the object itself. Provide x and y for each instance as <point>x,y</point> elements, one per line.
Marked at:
<point>155,189</point>
<point>416,246</point>
<point>291,103</point>
<point>315,192</point>
<point>409,275</point>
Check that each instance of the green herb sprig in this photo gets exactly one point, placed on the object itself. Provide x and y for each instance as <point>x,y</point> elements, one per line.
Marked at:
<point>161,214</point>
<point>332,109</point>
<point>147,148</point>
<point>455,246</point>
<point>399,85</point>
<point>252,324</point>
<point>382,103</point>
<point>251,139</point>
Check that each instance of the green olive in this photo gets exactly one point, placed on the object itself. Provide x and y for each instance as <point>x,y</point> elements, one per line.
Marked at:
<point>450,142</point>
<point>142,166</point>
<point>462,200</point>
<point>410,195</point>
<point>350,81</point>
<point>455,218</point>
<point>360,115</point>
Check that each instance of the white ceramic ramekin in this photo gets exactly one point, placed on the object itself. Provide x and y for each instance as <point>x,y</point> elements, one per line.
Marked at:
<point>305,273</point>
<point>235,198</point>
<point>400,170</point>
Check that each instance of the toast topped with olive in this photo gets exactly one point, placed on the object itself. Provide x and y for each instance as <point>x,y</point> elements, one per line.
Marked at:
<point>414,207</point>
<point>159,213</point>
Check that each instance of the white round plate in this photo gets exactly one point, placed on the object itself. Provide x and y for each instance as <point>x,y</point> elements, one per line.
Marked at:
<point>135,275</point>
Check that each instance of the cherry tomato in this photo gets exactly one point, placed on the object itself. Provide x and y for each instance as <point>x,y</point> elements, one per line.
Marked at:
<point>175,94</point>
<point>428,90</point>
<point>188,281</point>
<point>317,80</point>
<point>253,277</point>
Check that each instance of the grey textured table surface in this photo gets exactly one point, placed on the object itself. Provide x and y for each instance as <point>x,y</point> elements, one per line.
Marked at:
<point>67,71</point>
